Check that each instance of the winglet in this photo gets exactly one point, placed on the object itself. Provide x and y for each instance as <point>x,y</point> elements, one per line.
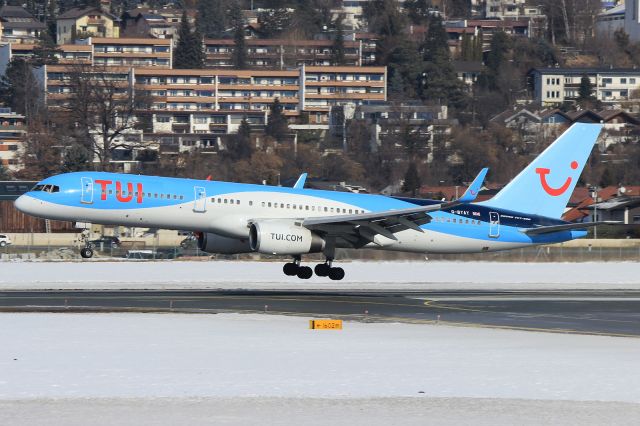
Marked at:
<point>300,182</point>
<point>472,191</point>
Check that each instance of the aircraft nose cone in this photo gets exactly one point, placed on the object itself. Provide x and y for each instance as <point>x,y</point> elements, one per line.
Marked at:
<point>25,204</point>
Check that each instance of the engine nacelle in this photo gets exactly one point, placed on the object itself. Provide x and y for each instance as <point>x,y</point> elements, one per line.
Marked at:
<point>214,243</point>
<point>283,237</point>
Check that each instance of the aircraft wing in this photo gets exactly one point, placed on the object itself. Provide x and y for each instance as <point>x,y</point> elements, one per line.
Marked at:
<point>361,229</point>
<point>565,227</point>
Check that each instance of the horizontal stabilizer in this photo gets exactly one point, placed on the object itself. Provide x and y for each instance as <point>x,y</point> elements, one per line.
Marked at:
<point>472,191</point>
<point>566,227</point>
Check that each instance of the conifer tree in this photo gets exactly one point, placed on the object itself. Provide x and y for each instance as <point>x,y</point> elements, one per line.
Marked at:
<point>585,92</point>
<point>212,18</point>
<point>338,44</point>
<point>240,147</point>
<point>240,47</point>
<point>44,53</point>
<point>189,52</point>
<point>439,81</point>
<point>412,181</point>
<point>277,124</point>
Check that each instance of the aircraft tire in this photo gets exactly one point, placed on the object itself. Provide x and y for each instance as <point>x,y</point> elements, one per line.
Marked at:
<point>305,272</point>
<point>336,274</point>
<point>322,270</point>
<point>86,253</point>
<point>290,269</point>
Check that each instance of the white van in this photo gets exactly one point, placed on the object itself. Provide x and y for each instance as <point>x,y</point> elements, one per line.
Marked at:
<point>4,240</point>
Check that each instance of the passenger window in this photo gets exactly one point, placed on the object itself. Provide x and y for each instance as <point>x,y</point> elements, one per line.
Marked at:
<point>294,206</point>
<point>263,204</point>
<point>213,200</point>
<point>306,207</point>
<point>168,196</point>
<point>225,201</point>
<point>182,197</point>
<point>148,195</point>
<point>288,206</point>
<point>238,202</point>
<point>162,196</point>
<point>349,211</point>
<point>269,204</point>
<point>282,205</point>
<point>326,209</point>
<point>219,200</point>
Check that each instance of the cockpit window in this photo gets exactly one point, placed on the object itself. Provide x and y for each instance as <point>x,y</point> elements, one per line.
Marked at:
<point>46,188</point>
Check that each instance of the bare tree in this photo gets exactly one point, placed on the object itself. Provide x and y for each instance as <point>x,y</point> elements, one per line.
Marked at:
<point>102,109</point>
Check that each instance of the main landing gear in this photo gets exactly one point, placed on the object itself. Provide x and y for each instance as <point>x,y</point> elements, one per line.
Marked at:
<point>304,272</point>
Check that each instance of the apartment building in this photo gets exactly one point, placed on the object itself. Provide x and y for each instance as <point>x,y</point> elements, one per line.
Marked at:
<point>12,132</point>
<point>132,52</point>
<point>553,86</point>
<point>284,53</point>
<point>119,52</point>
<point>194,107</point>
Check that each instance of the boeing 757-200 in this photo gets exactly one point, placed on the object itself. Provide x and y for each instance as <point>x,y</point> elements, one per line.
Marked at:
<point>242,218</point>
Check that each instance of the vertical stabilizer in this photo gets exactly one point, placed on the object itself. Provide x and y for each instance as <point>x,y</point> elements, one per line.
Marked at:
<point>545,185</point>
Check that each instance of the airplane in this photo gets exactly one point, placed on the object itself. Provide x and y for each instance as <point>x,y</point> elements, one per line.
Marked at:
<point>231,218</point>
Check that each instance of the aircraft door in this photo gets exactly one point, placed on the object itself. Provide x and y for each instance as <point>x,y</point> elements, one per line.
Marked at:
<point>87,190</point>
<point>494,225</point>
<point>200,203</point>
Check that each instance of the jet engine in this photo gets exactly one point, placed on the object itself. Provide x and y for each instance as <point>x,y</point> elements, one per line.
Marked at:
<point>283,237</point>
<point>214,243</point>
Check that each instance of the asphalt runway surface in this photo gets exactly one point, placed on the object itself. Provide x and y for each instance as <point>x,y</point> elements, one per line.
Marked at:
<point>604,312</point>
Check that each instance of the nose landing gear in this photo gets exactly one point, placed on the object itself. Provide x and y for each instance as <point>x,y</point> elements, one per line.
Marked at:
<point>87,251</point>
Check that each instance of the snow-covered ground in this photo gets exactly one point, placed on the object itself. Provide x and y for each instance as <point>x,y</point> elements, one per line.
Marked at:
<point>359,275</point>
<point>263,369</point>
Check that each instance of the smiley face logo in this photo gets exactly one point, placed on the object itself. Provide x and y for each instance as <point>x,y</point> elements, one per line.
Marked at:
<point>554,192</point>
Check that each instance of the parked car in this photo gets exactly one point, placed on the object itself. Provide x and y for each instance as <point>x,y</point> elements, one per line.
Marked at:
<point>4,240</point>
<point>106,242</point>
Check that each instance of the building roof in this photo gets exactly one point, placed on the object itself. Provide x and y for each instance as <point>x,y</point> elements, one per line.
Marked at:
<point>617,203</point>
<point>130,40</point>
<point>582,71</point>
<point>346,69</point>
<point>32,24</point>
<point>14,12</point>
<point>467,66</point>
<point>78,12</point>
<point>75,48</point>
<point>277,42</point>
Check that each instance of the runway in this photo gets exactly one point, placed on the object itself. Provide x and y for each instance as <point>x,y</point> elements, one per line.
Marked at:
<point>603,312</point>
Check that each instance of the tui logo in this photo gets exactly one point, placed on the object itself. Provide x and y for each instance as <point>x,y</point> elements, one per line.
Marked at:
<point>554,192</point>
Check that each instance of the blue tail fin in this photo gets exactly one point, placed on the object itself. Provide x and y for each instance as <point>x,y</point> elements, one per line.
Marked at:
<point>545,185</point>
